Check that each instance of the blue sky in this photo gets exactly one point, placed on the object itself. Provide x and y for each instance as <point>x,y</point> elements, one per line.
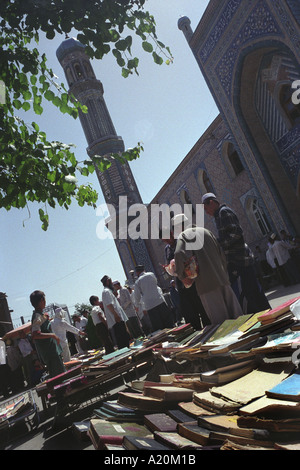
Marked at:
<point>166,107</point>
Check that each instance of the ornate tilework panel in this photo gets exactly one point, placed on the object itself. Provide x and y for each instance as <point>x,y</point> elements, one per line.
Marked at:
<point>280,69</point>
<point>125,256</point>
<point>289,139</point>
<point>222,23</point>
<point>291,164</point>
<point>269,113</point>
<point>294,6</point>
<point>260,24</point>
<point>284,15</point>
<point>141,254</point>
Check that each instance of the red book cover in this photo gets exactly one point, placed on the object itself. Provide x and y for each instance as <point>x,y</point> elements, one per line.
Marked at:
<point>58,379</point>
<point>160,422</point>
<point>103,432</point>
<point>277,311</point>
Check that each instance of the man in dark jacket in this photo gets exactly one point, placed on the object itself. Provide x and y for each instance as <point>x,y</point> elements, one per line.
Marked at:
<point>240,259</point>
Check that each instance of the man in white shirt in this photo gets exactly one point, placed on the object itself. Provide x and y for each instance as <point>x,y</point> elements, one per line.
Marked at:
<point>280,251</point>
<point>126,303</point>
<point>100,323</point>
<point>141,312</point>
<point>80,323</point>
<point>115,315</point>
<point>146,289</point>
<point>60,327</point>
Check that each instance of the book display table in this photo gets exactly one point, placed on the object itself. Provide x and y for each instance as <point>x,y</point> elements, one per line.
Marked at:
<point>92,377</point>
<point>18,409</point>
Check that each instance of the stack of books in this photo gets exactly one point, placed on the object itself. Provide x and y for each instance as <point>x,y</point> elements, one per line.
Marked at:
<point>111,410</point>
<point>13,408</point>
<point>102,432</point>
<point>240,390</point>
<point>155,398</point>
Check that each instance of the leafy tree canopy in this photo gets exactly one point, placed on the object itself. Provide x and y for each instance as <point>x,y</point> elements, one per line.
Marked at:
<point>79,309</point>
<point>31,167</point>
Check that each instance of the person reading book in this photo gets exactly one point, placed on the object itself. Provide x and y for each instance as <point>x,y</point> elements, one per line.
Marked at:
<point>190,305</point>
<point>206,267</point>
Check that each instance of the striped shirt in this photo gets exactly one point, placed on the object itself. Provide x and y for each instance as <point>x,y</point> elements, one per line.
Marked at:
<point>231,237</point>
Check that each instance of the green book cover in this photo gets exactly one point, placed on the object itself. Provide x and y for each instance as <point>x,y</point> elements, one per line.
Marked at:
<point>228,326</point>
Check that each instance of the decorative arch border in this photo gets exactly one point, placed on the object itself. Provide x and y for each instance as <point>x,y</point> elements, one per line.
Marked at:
<point>262,44</point>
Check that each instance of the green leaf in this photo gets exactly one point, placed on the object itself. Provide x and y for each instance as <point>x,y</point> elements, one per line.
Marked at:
<point>27,95</point>
<point>35,126</point>
<point>147,46</point>
<point>114,35</point>
<point>17,104</point>
<point>121,45</point>
<point>125,72</point>
<point>49,95</point>
<point>161,45</point>
<point>64,108</point>
<point>118,56</point>
<point>37,108</point>
<point>65,97</point>
<point>21,200</point>
<point>133,63</point>
<point>50,34</point>
<point>56,101</point>
<point>26,106</point>
<point>85,171</point>
<point>23,79</point>
<point>157,59</point>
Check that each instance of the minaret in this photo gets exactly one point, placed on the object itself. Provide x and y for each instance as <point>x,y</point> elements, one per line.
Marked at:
<point>103,140</point>
<point>184,24</point>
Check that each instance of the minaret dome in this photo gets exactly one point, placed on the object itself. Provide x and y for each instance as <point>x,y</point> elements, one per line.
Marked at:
<point>184,24</point>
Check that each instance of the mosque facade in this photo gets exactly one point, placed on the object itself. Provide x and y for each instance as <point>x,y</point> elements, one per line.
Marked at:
<point>249,55</point>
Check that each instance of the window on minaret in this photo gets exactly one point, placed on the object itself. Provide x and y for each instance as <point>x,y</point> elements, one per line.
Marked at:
<point>234,159</point>
<point>291,110</point>
<point>88,69</point>
<point>69,76</point>
<point>78,71</point>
